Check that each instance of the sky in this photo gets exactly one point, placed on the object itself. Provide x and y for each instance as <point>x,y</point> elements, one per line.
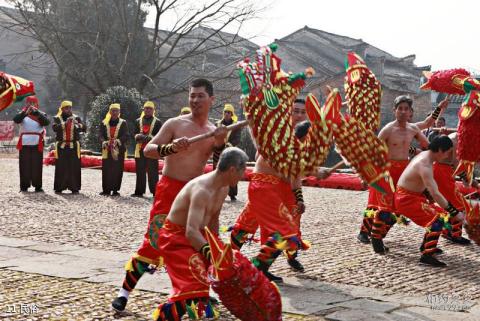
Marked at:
<point>441,33</point>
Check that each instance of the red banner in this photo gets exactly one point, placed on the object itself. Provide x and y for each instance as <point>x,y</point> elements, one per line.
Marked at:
<point>7,130</point>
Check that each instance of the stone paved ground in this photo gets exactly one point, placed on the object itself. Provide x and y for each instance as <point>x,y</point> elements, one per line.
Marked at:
<point>331,223</point>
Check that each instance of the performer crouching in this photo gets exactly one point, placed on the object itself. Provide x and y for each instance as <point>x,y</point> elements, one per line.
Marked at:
<point>182,244</point>
<point>411,201</point>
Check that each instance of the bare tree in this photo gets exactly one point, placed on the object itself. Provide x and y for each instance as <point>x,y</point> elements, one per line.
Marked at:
<point>96,44</point>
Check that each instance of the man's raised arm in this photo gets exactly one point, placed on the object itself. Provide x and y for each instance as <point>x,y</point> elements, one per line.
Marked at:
<point>430,120</point>
<point>163,144</point>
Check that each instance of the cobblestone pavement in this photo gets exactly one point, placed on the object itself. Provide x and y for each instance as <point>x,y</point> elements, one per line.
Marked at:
<point>331,223</point>
<point>28,296</point>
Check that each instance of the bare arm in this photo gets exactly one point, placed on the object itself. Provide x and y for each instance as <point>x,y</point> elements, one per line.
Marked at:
<point>385,133</point>
<point>165,136</point>
<point>427,177</point>
<point>196,217</point>
<point>422,140</point>
<point>214,224</point>
<point>430,120</point>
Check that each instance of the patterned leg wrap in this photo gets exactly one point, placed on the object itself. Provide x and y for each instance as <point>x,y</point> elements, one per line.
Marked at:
<point>195,309</point>
<point>238,238</point>
<point>382,223</point>
<point>291,254</point>
<point>367,222</point>
<point>456,227</point>
<point>135,269</point>
<point>430,239</point>
<point>272,248</point>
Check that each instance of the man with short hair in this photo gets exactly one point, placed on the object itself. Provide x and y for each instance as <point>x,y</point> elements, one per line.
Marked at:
<point>30,144</point>
<point>67,127</point>
<point>114,135</point>
<point>182,243</point>
<point>183,162</point>
<point>279,216</point>
<point>439,123</point>
<point>146,127</point>
<point>398,135</point>
<point>443,173</point>
<point>411,201</point>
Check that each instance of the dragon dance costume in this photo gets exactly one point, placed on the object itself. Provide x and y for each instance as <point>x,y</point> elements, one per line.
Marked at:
<point>417,207</point>
<point>148,254</point>
<point>187,269</point>
<point>459,82</point>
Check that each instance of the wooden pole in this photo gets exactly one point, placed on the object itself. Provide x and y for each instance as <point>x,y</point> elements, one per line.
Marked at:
<point>239,124</point>
<point>336,166</point>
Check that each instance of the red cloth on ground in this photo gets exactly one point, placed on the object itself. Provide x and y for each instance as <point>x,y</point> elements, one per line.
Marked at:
<point>385,202</point>
<point>166,191</point>
<point>186,267</point>
<point>416,207</point>
<point>443,174</point>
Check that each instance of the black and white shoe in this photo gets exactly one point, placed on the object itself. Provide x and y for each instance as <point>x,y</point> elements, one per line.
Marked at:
<point>362,237</point>
<point>119,303</point>
<point>296,265</point>
<point>431,260</point>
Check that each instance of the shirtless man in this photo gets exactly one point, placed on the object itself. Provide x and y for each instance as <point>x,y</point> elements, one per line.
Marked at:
<point>443,174</point>
<point>182,163</point>
<point>181,242</point>
<point>398,135</point>
<point>411,201</point>
<point>276,209</point>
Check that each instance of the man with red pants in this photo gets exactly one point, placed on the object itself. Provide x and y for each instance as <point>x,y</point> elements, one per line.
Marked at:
<point>411,201</point>
<point>182,243</point>
<point>398,135</point>
<point>443,174</point>
<point>182,163</point>
<point>247,224</point>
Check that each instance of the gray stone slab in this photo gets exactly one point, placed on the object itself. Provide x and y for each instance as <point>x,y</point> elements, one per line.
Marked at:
<point>427,314</point>
<point>359,315</point>
<point>52,247</point>
<point>13,242</point>
<point>72,267</point>
<point>101,255</point>
<point>475,310</point>
<point>403,299</point>
<point>307,301</point>
<point>7,253</point>
<point>369,305</point>
<point>157,282</point>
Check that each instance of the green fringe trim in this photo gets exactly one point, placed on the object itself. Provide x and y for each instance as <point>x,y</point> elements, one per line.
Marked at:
<point>256,262</point>
<point>369,213</point>
<point>299,75</point>
<point>243,82</point>
<point>402,220</point>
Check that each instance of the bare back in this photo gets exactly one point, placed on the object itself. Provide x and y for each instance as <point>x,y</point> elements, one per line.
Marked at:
<point>198,205</point>
<point>261,166</point>
<point>399,138</point>
<point>190,163</point>
<point>411,178</point>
